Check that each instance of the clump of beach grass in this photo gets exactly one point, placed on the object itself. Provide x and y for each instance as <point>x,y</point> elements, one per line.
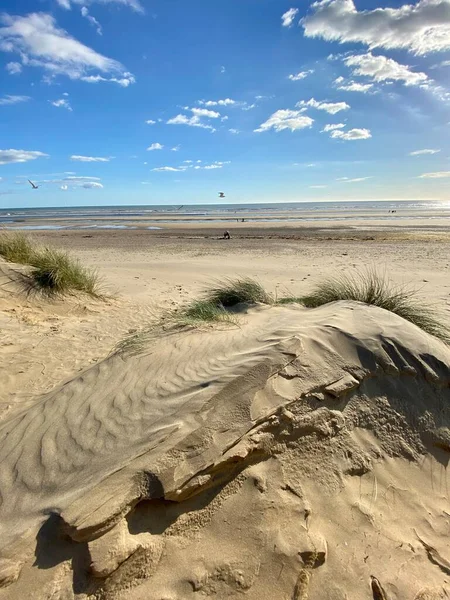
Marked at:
<point>52,271</point>
<point>375,289</point>
<point>237,291</point>
<point>16,247</point>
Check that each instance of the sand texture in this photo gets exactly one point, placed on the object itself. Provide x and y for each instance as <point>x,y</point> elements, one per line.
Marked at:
<point>300,454</point>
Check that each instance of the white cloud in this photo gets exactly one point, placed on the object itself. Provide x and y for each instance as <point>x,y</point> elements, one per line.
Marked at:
<point>224,102</point>
<point>330,107</point>
<point>176,148</point>
<point>317,187</point>
<point>301,75</point>
<point>436,175</point>
<point>75,178</point>
<point>155,146</point>
<point>425,151</point>
<point>64,188</point>
<point>354,180</point>
<point>65,94</point>
<point>381,68</point>
<point>333,127</point>
<point>246,106</point>
<point>19,156</point>
<point>124,81</point>
<point>351,134</point>
<point>215,165</point>
<point>90,158</point>
<point>234,131</point>
<point>13,99</point>
<point>204,112</point>
<point>62,103</point>
<point>421,28</point>
<point>90,185</point>
<point>92,20</point>
<point>133,4</point>
<point>353,86</point>
<point>193,121</point>
<point>41,43</point>
<point>188,162</point>
<point>286,119</point>
<point>222,69</point>
<point>13,68</point>
<point>170,169</point>
<point>288,17</point>
<point>150,122</point>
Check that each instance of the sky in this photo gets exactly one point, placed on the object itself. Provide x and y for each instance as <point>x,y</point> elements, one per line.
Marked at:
<point>108,102</point>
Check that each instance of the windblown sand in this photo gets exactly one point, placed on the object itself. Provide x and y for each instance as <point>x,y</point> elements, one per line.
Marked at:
<point>297,454</point>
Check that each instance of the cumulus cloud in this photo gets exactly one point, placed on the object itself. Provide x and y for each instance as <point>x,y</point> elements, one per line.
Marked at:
<point>150,122</point>
<point>39,42</point>
<point>92,20</point>
<point>330,107</point>
<point>13,99</point>
<point>155,146</point>
<point>351,134</point>
<point>333,127</point>
<point>193,121</point>
<point>435,175</point>
<point>424,151</point>
<point>288,17</point>
<point>286,119</point>
<point>420,28</point>
<point>79,158</point>
<point>13,68</point>
<point>62,103</point>
<point>133,4</point>
<point>224,102</point>
<point>381,68</point>
<point>353,86</point>
<point>204,112</point>
<point>301,75</point>
<point>19,156</point>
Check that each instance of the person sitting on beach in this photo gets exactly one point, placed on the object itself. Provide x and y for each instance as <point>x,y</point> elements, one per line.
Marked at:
<point>226,235</point>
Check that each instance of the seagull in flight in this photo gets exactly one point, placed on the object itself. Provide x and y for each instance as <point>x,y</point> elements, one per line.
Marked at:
<point>221,195</point>
<point>34,186</point>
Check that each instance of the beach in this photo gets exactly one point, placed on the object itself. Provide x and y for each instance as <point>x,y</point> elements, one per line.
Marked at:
<point>186,396</point>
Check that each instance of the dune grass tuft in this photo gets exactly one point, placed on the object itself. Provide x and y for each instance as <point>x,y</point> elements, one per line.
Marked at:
<point>53,271</point>
<point>237,291</point>
<point>16,247</point>
<point>372,288</point>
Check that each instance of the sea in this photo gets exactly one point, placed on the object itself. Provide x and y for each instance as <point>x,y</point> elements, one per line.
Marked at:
<point>152,216</point>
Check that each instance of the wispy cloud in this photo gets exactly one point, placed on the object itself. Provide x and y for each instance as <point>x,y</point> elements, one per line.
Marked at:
<point>353,86</point>
<point>234,131</point>
<point>381,68</point>
<point>330,107</point>
<point>288,17</point>
<point>6,100</point>
<point>155,146</point>
<point>39,42</point>
<point>351,134</point>
<point>170,169</point>
<point>13,68</point>
<point>150,122</point>
<point>79,158</point>
<point>92,20</point>
<point>435,175</point>
<point>317,187</point>
<point>286,119</point>
<point>420,28</point>
<point>224,102</point>
<point>133,4</point>
<point>194,121</point>
<point>354,180</point>
<point>176,148</point>
<point>62,103</point>
<point>424,151</point>
<point>300,75</point>
<point>333,126</point>
<point>19,156</point>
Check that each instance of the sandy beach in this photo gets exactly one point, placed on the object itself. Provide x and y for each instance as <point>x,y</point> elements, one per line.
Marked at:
<point>46,343</point>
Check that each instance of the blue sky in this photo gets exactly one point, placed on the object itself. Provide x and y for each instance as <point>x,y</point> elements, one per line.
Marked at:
<point>151,102</point>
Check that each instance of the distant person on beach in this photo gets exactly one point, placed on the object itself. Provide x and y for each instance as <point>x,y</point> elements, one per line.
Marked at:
<point>226,235</point>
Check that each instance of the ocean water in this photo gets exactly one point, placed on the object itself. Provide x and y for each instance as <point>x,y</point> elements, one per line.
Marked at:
<point>116,217</point>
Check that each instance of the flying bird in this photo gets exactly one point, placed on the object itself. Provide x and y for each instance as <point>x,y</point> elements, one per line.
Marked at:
<point>35,187</point>
<point>221,195</point>
<point>180,207</point>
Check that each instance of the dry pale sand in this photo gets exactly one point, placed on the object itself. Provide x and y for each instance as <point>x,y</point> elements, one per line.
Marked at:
<point>298,454</point>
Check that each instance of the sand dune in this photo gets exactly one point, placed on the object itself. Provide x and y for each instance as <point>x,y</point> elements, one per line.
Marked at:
<point>282,458</point>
